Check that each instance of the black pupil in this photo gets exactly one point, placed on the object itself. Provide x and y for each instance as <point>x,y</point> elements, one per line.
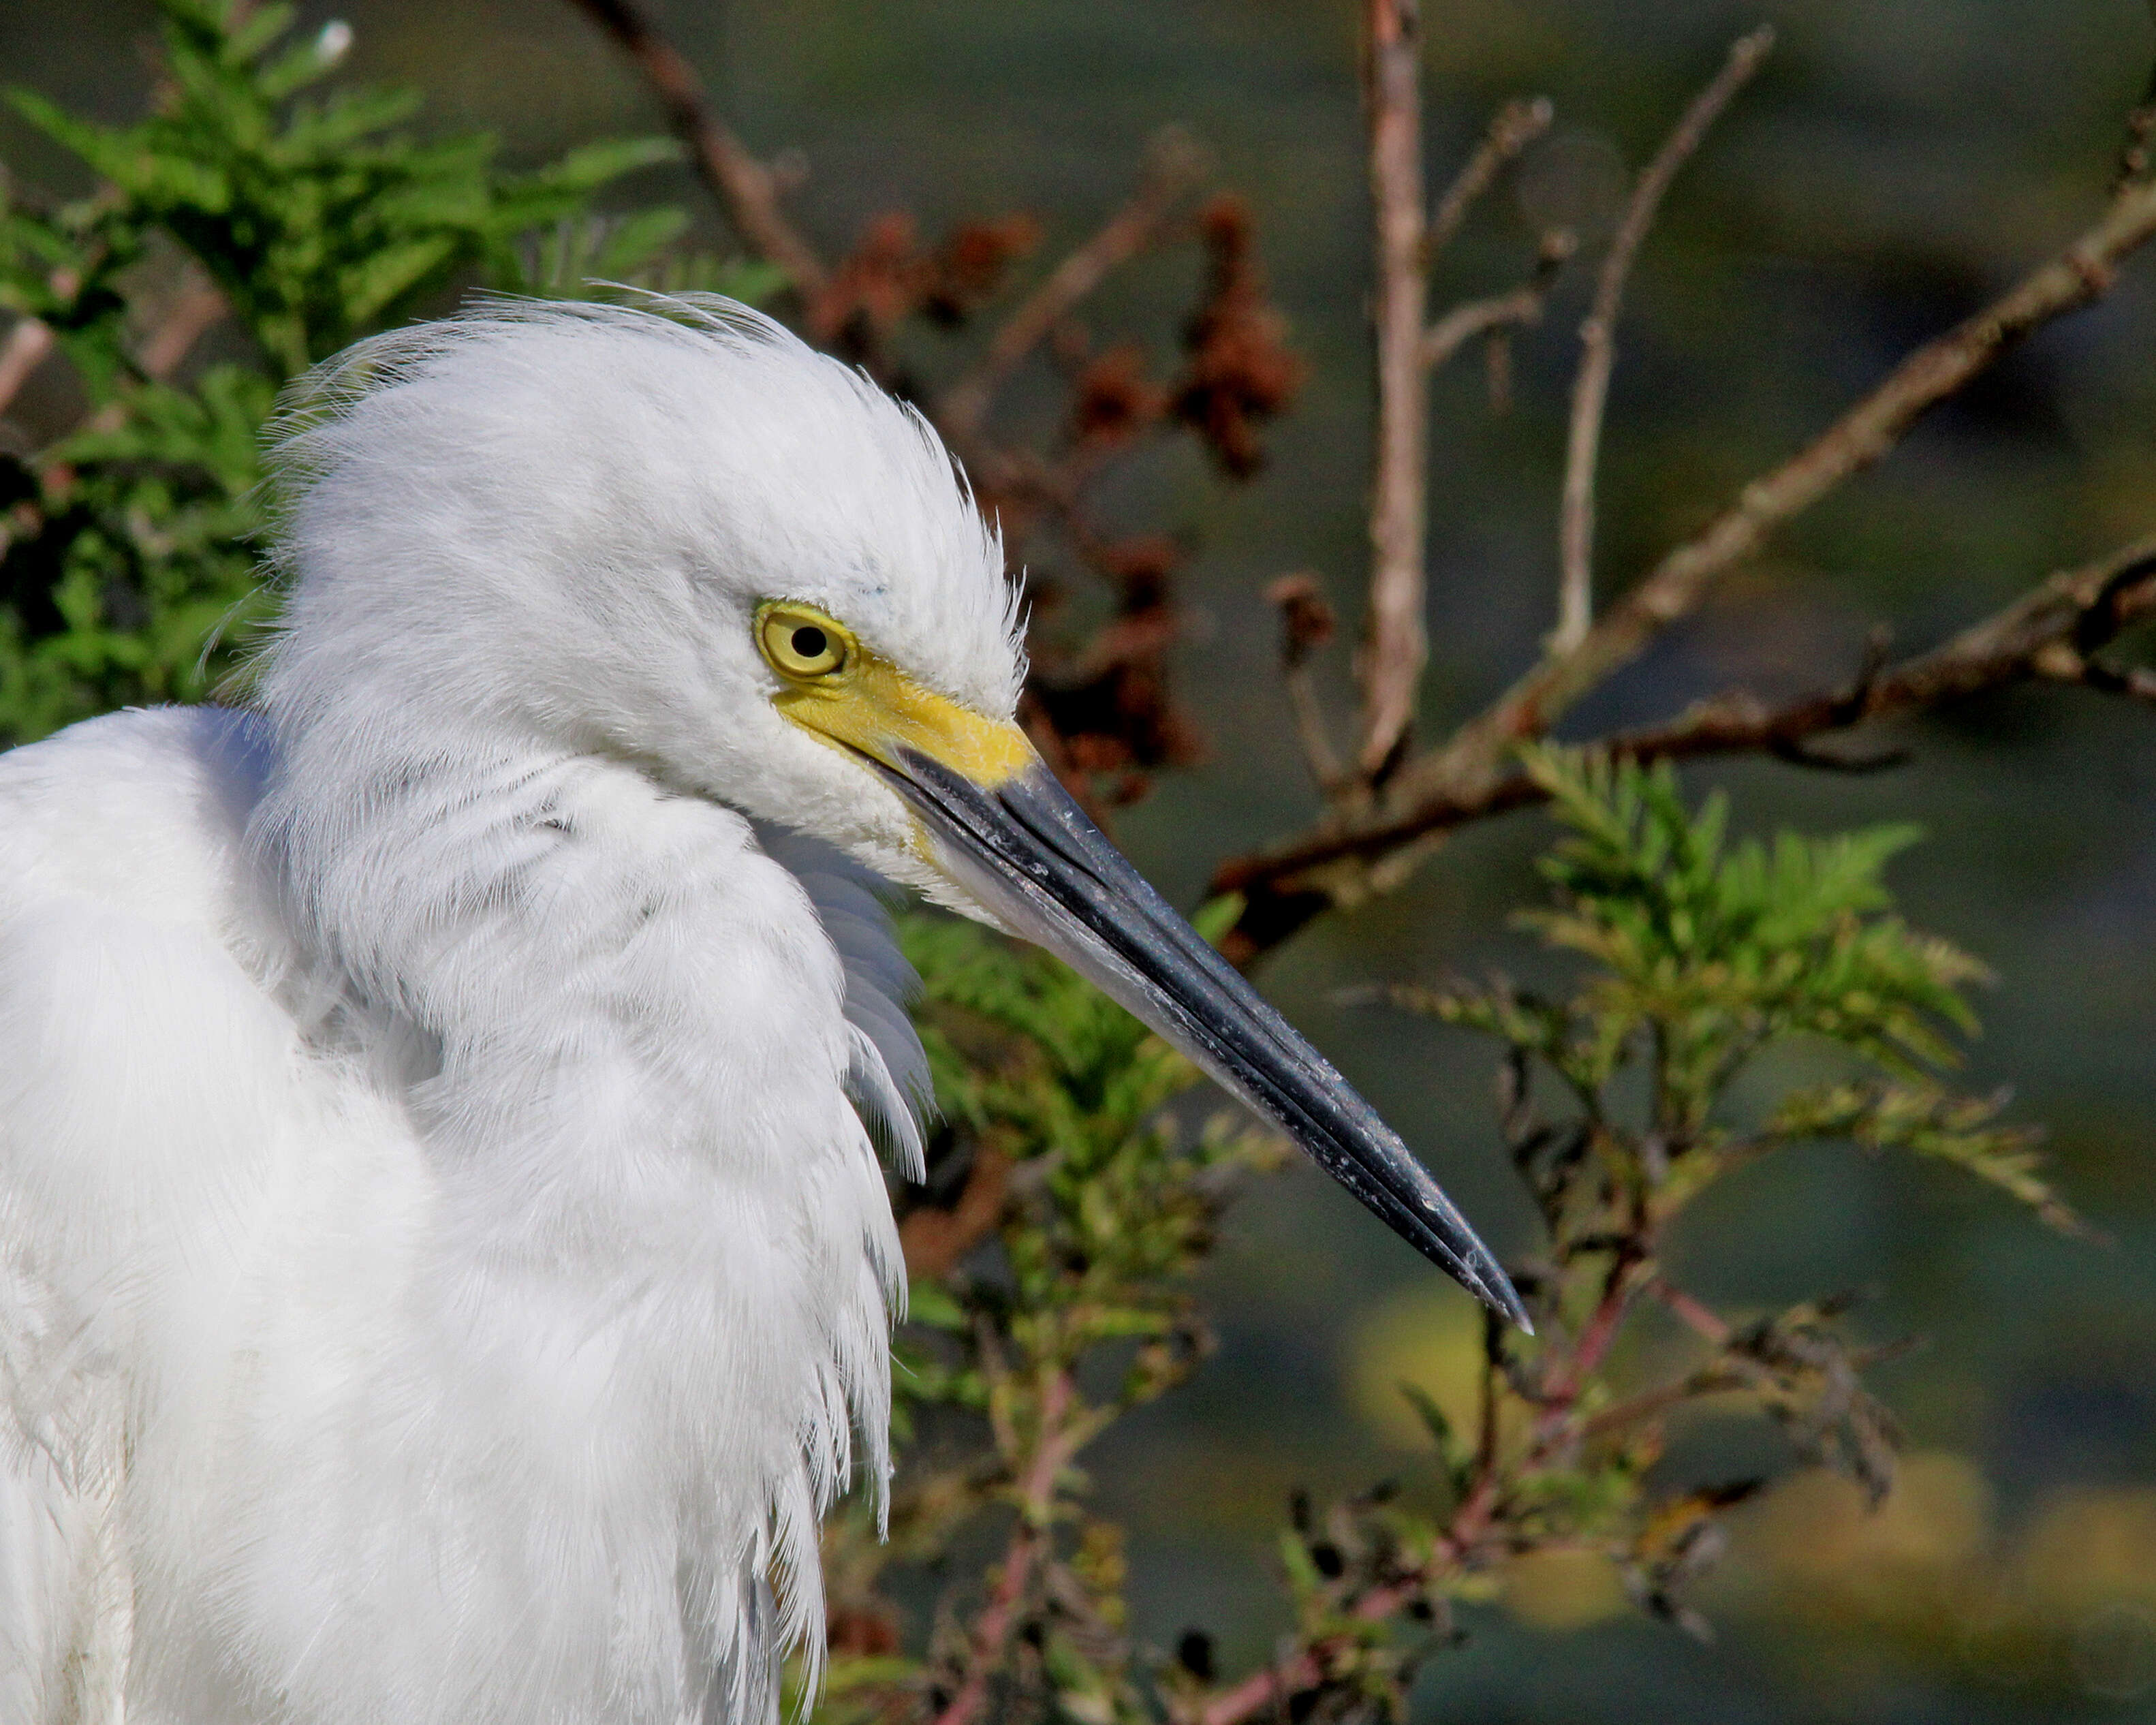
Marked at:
<point>810,642</point>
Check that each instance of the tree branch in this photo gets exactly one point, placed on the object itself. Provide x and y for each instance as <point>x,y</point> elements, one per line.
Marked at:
<point>1265,1690</point>
<point>743,185</point>
<point>934,1240</point>
<point>187,320</point>
<point>27,344</point>
<point>1598,337</point>
<point>1471,1523</point>
<point>2052,633</point>
<point>1517,126</point>
<point>1520,308</point>
<point>1174,165</point>
<point>1307,623</point>
<point>2082,273</point>
<point>1036,1495</point>
<point>1396,649</point>
<point>1429,793</point>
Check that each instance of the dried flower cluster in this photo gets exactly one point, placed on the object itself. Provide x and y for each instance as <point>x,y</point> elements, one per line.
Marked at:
<point>889,277</point>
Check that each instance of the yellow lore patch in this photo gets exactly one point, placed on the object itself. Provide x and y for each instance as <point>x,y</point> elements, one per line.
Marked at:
<point>839,691</point>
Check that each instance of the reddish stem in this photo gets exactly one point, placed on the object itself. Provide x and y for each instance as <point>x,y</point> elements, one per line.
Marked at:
<point>1036,1501</point>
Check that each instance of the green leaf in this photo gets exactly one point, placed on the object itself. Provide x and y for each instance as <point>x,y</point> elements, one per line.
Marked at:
<point>1432,1416</point>
<point>1217,916</point>
<point>1962,1131</point>
<point>930,1304</point>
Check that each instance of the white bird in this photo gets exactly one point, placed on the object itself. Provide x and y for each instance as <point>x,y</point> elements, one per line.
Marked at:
<point>444,1272</point>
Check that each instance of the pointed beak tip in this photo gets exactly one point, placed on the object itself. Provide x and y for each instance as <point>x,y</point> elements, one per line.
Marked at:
<point>1489,1285</point>
<point>1027,852</point>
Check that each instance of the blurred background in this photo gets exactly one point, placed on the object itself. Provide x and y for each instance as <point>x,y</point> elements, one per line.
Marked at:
<point>1897,163</point>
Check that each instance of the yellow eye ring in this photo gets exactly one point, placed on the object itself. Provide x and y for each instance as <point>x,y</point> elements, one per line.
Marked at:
<point>802,643</point>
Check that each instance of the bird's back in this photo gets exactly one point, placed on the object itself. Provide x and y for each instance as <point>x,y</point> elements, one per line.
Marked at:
<point>206,1226</point>
<point>286,1431</point>
<point>128,1017</point>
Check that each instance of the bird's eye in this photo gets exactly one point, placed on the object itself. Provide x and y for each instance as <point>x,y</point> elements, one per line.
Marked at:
<point>801,643</point>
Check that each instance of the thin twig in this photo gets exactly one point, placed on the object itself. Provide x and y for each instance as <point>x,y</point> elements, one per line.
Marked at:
<point>934,1240</point>
<point>1310,729</point>
<point>1597,335</point>
<point>1265,1690</point>
<point>1692,1313</point>
<point>190,313</point>
<point>1520,308</point>
<point>744,186</point>
<point>25,350</point>
<point>2051,633</point>
<point>2135,682</point>
<point>1516,125</point>
<point>2083,272</point>
<point>1036,1502</point>
<point>187,320</point>
<point>190,316</point>
<point>1621,1416</point>
<point>1174,165</point>
<point>1456,1546</point>
<point>1307,623</point>
<point>1426,793</point>
<point>1396,648</point>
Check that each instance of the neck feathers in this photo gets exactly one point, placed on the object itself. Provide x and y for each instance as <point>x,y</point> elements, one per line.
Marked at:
<point>619,1029</point>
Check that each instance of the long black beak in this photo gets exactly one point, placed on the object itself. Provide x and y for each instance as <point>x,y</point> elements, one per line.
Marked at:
<point>1027,854</point>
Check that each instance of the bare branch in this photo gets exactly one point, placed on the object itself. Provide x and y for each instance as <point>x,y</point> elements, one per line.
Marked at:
<point>25,350</point>
<point>1520,308</point>
<point>1466,772</point>
<point>1174,165</point>
<point>1266,1691</point>
<point>1517,126</point>
<point>934,1240</point>
<point>1396,649</point>
<point>2051,634</point>
<point>1307,623</point>
<point>2083,272</point>
<point>1597,342</point>
<point>2136,683</point>
<point>1036,1504</point>
<point>742,184</point>
<point>1472,1520</point>
<point>1690,1312</point>
<point>197,307</point>
<point>187,320</point>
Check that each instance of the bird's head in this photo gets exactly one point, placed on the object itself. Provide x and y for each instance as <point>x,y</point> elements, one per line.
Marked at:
<point>672,534</point>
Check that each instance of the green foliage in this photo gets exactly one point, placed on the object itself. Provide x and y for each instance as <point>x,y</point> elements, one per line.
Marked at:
<point>1922,1121</point>
<point>1099,1203</point>
<point>317,219</point>
<point>1616,1105</point>
<point>128,552</point>
<point>1720,949</point>
<point>1064,1306</point>
<point>1709,954</point>
<point>307,219</point>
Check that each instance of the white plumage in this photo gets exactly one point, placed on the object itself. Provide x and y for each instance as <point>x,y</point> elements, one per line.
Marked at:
<point>444,1274</point>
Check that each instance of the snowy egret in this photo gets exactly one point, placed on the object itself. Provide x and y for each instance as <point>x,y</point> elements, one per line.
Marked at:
<point>444,1271</point>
